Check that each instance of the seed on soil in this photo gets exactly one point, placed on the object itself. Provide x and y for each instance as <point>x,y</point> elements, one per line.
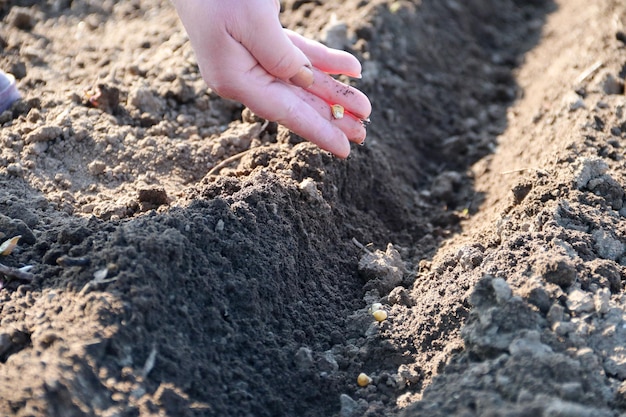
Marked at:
<point>8,245</point>
<point>363,380</point>
<point>66,261</point>
<point>337,111</point>
<point>380,315</point>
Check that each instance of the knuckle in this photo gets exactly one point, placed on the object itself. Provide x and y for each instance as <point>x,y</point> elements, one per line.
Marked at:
<point>282,67</point>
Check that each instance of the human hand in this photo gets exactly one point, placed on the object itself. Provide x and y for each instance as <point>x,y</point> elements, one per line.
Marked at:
<point>244,54</point>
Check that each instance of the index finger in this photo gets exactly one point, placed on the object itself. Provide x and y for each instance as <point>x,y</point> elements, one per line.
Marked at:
<point>331,61</point>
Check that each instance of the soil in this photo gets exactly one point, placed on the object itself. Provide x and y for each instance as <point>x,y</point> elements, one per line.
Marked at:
<point>180,256</point>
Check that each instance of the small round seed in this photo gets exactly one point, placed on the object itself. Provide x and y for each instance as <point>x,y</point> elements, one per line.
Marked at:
<point>337,110</point>
<point>363,380</point>
<point>380,315</point>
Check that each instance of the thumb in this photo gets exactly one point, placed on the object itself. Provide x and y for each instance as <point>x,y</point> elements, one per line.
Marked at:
<point>266,40</point>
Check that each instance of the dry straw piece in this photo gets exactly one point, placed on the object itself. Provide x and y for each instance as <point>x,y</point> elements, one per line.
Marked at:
<point>8,245</point>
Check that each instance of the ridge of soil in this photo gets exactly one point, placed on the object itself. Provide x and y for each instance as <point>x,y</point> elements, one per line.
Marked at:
<point>189,259</point>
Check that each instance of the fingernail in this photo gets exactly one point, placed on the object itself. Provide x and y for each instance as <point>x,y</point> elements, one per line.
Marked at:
<point>304,77</point>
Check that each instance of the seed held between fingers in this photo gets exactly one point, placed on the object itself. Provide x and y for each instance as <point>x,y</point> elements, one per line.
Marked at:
<point>337,110</point>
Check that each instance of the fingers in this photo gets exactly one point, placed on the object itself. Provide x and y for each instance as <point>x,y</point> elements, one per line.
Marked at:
<point>265,39</point>
<point>336,92</point>
<point>306,115</point>
<point>350,125</point>
<point>246,55</point>
<point>331,61</point>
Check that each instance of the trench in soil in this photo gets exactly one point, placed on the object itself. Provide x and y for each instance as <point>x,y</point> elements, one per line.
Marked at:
<point>250,277</point>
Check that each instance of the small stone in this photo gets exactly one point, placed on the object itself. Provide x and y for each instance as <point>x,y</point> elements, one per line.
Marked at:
<point>303,358</point>
<point>150,198</point>
<point>520,191</point>
<point>555,313</point>
<point>43,134</point>
<point>384,270</point>
<point>38,148</point>
<point>15,168</point>
<point>587,168</point>
<point>327,363</point>
<point>96,167</point>
<point>562,328</point>
<point>143,99</point>
<point>606,245</point>
<point>470,257</point>
<point>557,270</point>
<point>601,300</point>
<point>530,344</point>
<point>615,363</point>
<point>180,91</point>
<point>400,296</point>
<point>501,289</point>
<point>309,188</point>
<point>410,374</point>
<point>573,101</point>
<point>580,301</point>
<point>351,408</point>
<point>9,94</point>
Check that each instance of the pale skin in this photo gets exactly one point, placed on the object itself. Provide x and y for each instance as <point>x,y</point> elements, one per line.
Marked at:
<point>244,54</point>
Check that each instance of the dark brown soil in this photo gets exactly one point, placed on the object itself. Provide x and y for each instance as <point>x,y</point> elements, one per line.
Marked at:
<point>189,259</point>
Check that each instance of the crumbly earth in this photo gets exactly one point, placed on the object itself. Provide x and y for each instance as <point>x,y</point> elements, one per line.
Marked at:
<point>182,257</point>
